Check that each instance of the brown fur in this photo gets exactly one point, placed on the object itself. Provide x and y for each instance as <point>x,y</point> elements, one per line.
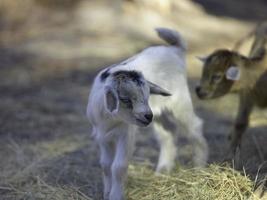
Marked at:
<point>251,86</point>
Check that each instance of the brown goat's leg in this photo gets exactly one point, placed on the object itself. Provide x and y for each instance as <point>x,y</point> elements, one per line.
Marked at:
<point>241,123</point>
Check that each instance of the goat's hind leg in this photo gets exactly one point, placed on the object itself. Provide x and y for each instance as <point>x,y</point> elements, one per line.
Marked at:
<point>201,151</point>
<point>168,149</point>
<point>193,126</point>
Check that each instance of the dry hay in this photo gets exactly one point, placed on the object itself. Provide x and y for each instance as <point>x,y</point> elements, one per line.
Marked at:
<point>212,183</point>
<point>37,189</point>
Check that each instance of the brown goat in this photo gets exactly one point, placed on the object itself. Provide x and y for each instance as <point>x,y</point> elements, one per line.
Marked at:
<point>227,71</point>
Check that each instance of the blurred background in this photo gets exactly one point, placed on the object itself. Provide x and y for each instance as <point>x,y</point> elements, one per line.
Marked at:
<point>50,51</point>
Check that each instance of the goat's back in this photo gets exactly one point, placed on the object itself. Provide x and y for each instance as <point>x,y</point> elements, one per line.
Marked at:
<point>166,67</point>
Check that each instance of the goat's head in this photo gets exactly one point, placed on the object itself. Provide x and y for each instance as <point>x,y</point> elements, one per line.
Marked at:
<point>219,73</point>
<point>127,94</point>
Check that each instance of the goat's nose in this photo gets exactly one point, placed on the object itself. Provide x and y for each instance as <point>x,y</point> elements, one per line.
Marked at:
<point>201,93</point>
<point>197,89</point>
<point>149,116</point>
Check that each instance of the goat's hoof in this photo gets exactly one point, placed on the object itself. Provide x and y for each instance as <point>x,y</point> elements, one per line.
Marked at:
<point>229,155</point>
<point>163,169</point>
<point>233,156</point>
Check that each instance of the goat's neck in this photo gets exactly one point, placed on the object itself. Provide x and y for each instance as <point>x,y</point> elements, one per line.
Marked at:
<point>111,122</point>
<point>251,71</point>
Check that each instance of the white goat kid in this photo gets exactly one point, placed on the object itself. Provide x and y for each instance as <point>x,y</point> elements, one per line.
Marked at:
<point>117,103</point>
<point>165,66</point>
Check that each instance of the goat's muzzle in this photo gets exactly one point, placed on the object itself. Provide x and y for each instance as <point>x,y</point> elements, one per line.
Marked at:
<point>201,93</point>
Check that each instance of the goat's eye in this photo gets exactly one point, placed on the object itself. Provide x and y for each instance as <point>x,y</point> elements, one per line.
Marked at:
<point>126,101</point>
<point>216,78</point>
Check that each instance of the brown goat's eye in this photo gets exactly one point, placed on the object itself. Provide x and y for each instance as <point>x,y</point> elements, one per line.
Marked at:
<point>216,78</point>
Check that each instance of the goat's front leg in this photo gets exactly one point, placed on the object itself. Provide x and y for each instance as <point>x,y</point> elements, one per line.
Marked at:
<point>241,123</point>
<point>119,168</point>
<point>106,158</point>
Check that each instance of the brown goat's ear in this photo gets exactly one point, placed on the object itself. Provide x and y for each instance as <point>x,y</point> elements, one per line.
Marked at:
<point>202,58</point>
<point>111,100</point>
<point>233,73</point>
<point>155,89</point>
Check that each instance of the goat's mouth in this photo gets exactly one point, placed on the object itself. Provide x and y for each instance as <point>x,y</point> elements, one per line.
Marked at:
<point>142,122</point>
<point>204,94</point>
<point>207,96</point>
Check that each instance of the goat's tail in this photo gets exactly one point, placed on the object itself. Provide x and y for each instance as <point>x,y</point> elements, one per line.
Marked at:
<point>172,37</point>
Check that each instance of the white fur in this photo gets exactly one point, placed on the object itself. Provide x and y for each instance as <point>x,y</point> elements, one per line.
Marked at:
<point>116,140</point>
<point>114,135</point>
<point>165,66</point>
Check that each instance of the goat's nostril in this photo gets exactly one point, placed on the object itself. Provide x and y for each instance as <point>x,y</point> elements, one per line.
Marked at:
<point>197,89</point>
<point>149,116</point>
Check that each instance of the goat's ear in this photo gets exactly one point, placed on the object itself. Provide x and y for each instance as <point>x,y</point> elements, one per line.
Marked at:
<point>155,89</point>
<point>202,58</point>
<point>233,73</point>
<point>111,100</point>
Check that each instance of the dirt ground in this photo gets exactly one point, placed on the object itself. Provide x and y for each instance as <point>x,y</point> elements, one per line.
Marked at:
<point>48,62</point>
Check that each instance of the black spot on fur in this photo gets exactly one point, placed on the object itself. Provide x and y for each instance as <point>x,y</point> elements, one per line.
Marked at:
<point>132,75</point>
<point>104,75</point>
